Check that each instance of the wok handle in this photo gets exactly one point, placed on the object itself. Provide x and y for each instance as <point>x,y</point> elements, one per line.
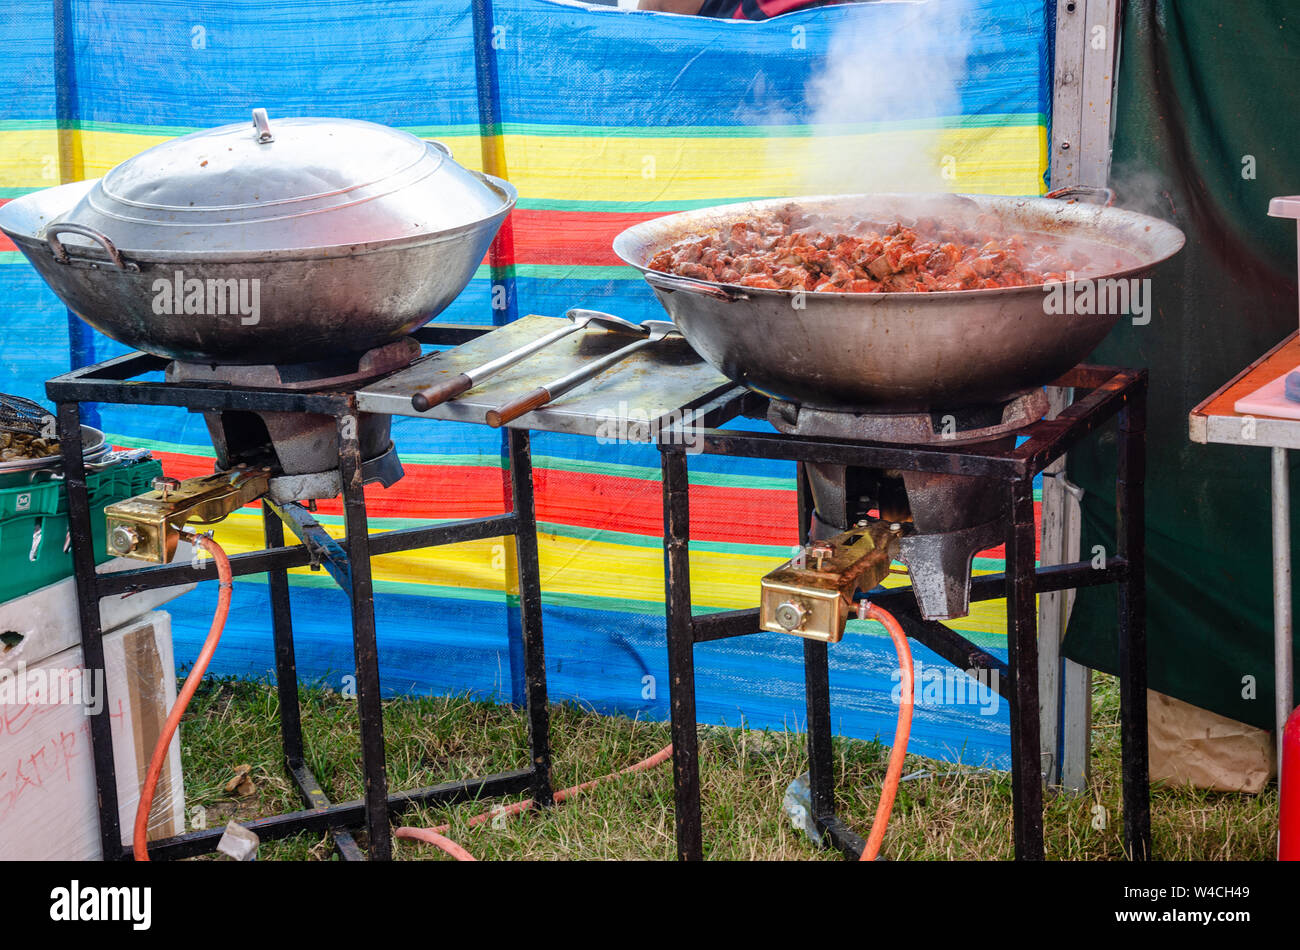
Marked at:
<point>61,253</point>
<point>263,126</point>
<point>671,282</point>
<point>439,393</point>
<point>1084,191</point>
<point>515,408</point>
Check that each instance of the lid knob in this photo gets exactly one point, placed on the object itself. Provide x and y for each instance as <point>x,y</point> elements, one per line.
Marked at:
<point>263,125</point>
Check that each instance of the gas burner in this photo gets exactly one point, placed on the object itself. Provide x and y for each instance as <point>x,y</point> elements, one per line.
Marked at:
<point>943,520</point>
<point>301,449</point>
<point>962,426</point>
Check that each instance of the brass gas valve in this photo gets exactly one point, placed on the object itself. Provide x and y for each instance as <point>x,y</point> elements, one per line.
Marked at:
<point>811,595</point>
<point>148,526</point>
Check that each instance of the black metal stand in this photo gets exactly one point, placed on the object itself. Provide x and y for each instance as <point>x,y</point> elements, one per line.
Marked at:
<point>1103,392</point>
<point>347,562</point>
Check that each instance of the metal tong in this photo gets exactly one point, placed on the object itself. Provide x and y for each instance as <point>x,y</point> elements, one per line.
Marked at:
<point>453,386</point>
<point>658,329</point>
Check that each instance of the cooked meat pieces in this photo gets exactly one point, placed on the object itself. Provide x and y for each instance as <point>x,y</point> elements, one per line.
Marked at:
<point>785,253</point>
<point>15,446</point>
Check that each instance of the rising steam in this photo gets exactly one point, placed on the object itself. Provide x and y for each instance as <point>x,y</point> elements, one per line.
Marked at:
<point>880,101</point>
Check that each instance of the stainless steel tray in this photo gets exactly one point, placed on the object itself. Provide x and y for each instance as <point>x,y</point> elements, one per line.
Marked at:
<point>654,385</point>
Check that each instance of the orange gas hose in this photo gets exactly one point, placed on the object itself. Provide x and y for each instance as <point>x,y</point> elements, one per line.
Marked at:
<point>141,841</point>
<point>434,836</point>
<point>893,774</point>
<point>899,751</point>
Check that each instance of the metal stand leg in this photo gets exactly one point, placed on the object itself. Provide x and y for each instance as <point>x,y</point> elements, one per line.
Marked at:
<point>1131,545</point>
<point>1283,672</point>
<point>1022,647</point>
<point>286,680</point>
<point>817,693</point>
<point>286,668</point>
<point>821,762</point>
<point>514,617</point>
<point>92,643</point>
<point>817,701</point>
<point>681,654</point>
<point>365,649</point>
<point>530,611</point>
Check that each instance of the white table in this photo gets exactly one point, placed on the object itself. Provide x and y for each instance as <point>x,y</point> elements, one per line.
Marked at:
<point>1215,420</point>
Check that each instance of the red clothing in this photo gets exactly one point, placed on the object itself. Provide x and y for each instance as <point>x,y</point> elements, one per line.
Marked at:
<point>758,9</point>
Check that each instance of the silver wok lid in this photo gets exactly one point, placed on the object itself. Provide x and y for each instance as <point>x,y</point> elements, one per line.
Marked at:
<point>283,186</point>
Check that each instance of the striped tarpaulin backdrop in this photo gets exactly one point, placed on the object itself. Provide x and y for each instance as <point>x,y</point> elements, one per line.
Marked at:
<point>602,118</point>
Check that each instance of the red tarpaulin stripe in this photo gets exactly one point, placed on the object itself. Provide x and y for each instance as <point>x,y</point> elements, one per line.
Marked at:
<point>577,238</point>
<point>999,552</point>
<point>5,243</point>
<point>580,499</point>
<point>581,238</point>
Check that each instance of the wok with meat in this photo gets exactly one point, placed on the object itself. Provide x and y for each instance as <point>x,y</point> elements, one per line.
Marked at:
<point>785,251</point>
<point>893,303</point>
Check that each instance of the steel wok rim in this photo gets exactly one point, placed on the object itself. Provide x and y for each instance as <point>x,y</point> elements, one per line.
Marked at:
<point>96,254</point>
<point>739,291</point>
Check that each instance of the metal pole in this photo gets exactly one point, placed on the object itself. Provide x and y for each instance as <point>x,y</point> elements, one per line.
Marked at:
<point>530,613</point>
<point>1283,671</point>
<point>817,703</point>
<point>1130,537</point>
<point>365,649</point>
<point>92,637</point>
<point>81,345</point>
<point>286,669</point>
<point>1022,656</point>
<point>681,654</point>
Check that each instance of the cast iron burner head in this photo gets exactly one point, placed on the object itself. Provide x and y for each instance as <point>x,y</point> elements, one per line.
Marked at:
<point>964,426</point>
<point>946,519</point>
<point>302,448</point>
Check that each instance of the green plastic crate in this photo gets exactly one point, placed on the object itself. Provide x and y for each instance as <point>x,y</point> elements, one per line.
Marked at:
<point>35,549</point>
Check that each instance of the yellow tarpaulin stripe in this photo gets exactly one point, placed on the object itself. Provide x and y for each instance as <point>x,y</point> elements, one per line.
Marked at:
<point>574,566</point>
<point>623,168</point>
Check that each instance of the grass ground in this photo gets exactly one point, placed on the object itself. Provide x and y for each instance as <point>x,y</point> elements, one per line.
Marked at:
<point>948,812</point>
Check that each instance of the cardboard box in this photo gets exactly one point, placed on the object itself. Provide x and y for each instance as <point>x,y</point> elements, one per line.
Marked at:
<point>47,785</point>
<point>1193,746</point>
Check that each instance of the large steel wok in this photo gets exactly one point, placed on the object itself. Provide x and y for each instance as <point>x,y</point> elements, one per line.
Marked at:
<point>894,351</point>
<point>265,242</point>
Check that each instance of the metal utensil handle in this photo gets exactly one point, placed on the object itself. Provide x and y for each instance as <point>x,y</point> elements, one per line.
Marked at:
<point>559,387</point>
<point>437,394</point>
<point>118,457</point>
<point>578,313</point>
<point>1084,191</point>
<point>61,253</point>
<point>263,125</point>
<point>515,408</point>
<point>671,282</point>
<point>505,361</point>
